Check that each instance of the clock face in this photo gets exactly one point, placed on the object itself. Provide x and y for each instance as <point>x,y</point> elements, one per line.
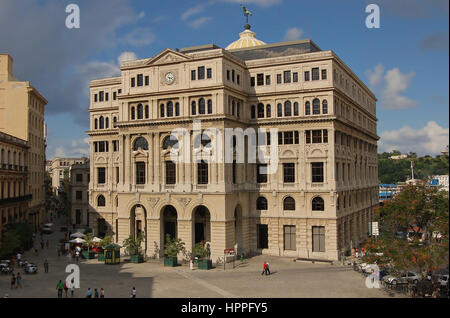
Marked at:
<point>170,78</point>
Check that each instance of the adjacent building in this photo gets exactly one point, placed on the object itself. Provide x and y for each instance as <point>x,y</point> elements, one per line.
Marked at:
<point>22,116</point>
<point>79,194</point>
<point>440,181</point>
<point>58,168</point>
<point>317,203</point>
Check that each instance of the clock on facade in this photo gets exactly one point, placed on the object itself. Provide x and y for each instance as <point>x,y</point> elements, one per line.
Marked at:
<point>170,78</point>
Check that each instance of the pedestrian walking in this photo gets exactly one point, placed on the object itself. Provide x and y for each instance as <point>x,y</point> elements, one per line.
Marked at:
<point>58,250</point>
<point>47,244</point>
<point>66,288</point>
<point>102,293</point>
<point>133,293</point>
<point>35,251</point>
<point>59,288</point>
<point>72,289</point>
<point>13,281</point>
<point>77,256</point>
<point>96,293</point>
<point>18,280</point>
<point>19,257</point>
<point>267,268</point>
<point>89,293</point>
<point>42,244</point>
<point>46,266</point>
<point>264,268</point>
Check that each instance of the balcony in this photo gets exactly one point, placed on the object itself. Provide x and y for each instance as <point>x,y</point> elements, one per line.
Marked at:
<point>23,198</point>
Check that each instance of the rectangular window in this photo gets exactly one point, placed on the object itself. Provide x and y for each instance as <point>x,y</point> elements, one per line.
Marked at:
<point>268,138</point>
<point>170,172</point>
<point>324,74</point>
<point>289,172</point>
<point>119,91</point>
<point>238,79</point>
<point>317,171</point>
<point>101,96</point>
<point>260,79</point>
<point>325,136</point>
<point>140,81</point>
<point>278,78</point>
<point>261,173</point>
<point>289,238</point>
<point>263,235</point>
<point>318,239</point>
<point>95,97</point>
<point>317,136</point>
<point>288,137</point>
<point>147,80</point>
<point>280,138</point>
<point>114,95</point>
<point>267,79</point>
<point>252,81</point>
<point>287,76</point>
<point>117,175</point>
<point>295,77</point>
<point>140,172</point>
<point>201,72</point>
<point>232,76</point>
<point>193,75</point>
<point>79,178</point>
<point>79,195</point>
<point>209,73</point>
<point>315,74</point>
<point>228,75</point>
<point>106,97</point>
<point>306,76</point>
<point>101,146</point>
<point>296,137</point>
<point>234,167</point>
<point>101,175</point>
<point>133,82</point>
<point>202,170</point>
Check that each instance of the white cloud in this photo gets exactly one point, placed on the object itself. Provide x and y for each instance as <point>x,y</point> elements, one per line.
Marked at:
<point>199,22</point>
<point>431,139</point>
<point>126,56</point>
<point>375,76</point>
<point>139,37</point>
<point>72,148</point>
<point>395,83</point>
<point>293,34</point>
<point>192,11</point>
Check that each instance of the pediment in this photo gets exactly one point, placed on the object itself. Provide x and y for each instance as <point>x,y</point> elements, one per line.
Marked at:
<point>168,56</point>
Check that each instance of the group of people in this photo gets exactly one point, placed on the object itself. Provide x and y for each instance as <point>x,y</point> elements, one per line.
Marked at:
<point>359,252</point>
<point>16,280</point>
<point>266,269</point>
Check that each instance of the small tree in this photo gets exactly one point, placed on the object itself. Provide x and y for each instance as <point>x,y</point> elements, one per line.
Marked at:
<point>133,245</point>
<point>89,237</point>
<point>173,246</point>
<point>106,241</point>
<point>201,250</point>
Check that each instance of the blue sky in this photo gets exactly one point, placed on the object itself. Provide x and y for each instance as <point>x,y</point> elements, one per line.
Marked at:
<point>405,62</point>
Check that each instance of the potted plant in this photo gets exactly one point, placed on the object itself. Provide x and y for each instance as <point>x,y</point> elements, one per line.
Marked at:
<point>201,250</point>
<point>133,247</point>
<point>88,254</point>
<point>105,242</point>
<point>172,247</point>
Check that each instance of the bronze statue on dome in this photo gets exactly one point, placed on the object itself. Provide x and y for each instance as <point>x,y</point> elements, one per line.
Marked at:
<point>246,14</point>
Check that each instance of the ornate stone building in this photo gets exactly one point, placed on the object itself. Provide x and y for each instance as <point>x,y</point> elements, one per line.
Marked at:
<point>14,196</point>
<point>318,201</point>
<point>22,116</point>
<point>79,194</point>
<point>58,167</point>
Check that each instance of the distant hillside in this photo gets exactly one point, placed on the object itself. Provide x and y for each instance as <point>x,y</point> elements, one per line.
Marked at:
<point>393,171</point>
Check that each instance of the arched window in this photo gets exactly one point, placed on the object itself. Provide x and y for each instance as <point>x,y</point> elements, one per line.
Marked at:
<point>140,111</point>
<point>318,204</point>
<point>201,106</point>
<point>233,108</point>
<point>194,108</point>
<point>209,106</point>
<point>170,109</point>
<point>202,139</point>
<point>316,106</point>
<point>289,204</point>
<point>140,142</point>
<point>253,112</point>
<point>170,141</point>
<point>133,114</point>
<point>107,122</point>
<point>307,108</point>
<point>279,110</point>
<point>324,107</point>
<point>287,108</point>
<point>261,203</point>
<point>101,201</point>
<point>161,109</point>
<point>147,113</point>
<point>96,123</point>
<point>295,109</point>
<point>268,111</point>
<point>102,122</point>
<point>260,110</point>
<point>177,109</point>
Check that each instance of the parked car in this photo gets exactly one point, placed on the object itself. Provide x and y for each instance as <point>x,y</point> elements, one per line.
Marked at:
<point>46,230</point>
<point>403,278</point>
<point>5,269</point>
<point>443,279</point>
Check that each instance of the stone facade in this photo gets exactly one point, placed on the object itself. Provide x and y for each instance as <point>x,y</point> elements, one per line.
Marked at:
<point>57,169</point>
<point>78,194</point>
<point>317,202</point>
<point>22,116</point>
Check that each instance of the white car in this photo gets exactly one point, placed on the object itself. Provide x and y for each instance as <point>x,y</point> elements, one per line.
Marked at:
<point>443,280</point>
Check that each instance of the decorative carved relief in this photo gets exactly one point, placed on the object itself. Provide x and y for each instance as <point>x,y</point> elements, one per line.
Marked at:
<point>184,201</point>
<point>153,202</point>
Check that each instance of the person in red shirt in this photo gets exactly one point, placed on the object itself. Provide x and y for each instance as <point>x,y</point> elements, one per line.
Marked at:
<point>264,268</point>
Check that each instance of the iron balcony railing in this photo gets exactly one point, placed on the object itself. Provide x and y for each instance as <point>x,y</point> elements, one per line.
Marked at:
<point>23,198</point>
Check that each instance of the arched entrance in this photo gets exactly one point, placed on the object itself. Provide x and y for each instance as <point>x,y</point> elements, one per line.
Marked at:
<point>138,223</point>
<point>238,232</point>
<point>202,224</point>
<point>168,223</point>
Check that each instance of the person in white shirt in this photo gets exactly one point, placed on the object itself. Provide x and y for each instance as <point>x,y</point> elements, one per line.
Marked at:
<point>133,293</point>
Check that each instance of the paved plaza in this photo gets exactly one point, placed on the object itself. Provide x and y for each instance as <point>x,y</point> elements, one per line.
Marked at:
<point>289,279</point>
